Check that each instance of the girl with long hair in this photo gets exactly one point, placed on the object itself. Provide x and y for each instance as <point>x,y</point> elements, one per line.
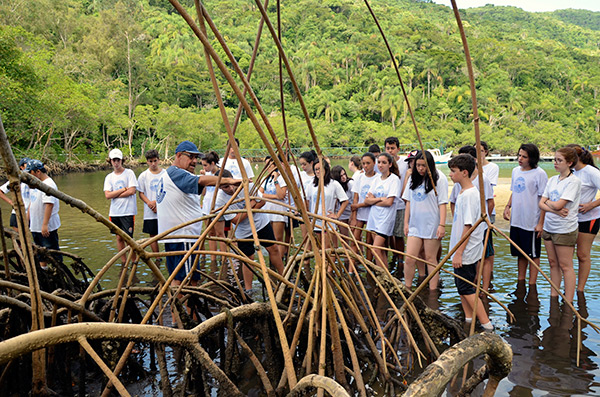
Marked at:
<point>425,216</point>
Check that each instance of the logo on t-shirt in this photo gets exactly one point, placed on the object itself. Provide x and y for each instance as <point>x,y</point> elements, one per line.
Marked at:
<point>419,194</point>
<point>379,191</point>
<point>554,195</point>
<point>120,184</point>
<point>154,184</point>
<point>364,191</point>
<point>519,185</point>
<point>160,195</point>
<point>33,196</point>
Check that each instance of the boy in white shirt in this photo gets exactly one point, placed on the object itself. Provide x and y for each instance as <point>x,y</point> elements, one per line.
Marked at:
<point>120,187</point>
<point>44,220</point>
<point>467,255</point>
<point>148,183</point>
<point>232,165</point>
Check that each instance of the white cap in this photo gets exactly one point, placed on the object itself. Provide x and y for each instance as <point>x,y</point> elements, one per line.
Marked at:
<point>115,154</point>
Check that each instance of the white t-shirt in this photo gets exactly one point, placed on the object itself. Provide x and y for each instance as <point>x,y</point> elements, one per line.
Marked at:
<point>568,189</point>
<point>298,180</point>
<point>25,191</point>
<point>347,211</point>
<point>38,199</point>
<point>590,183</point>
<point>402,168</point>
<point>492,171</point>
<point>209,192</point>
<point>121,206</point>
<point>382,219</point>
<point>148,184</point>
<point>270,188</point>
<point>243,229</point>
<point>361,187</point>
<point>333,193</point>
<point>425,207</point>
<point>178,202</point>
<point>527,187</point>
<point>487,189</point>
<point>233,167</point>
<point>467,212</point>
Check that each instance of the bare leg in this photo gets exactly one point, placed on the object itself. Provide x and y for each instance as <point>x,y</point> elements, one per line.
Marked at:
<point>555,273</point>
<point>380,254</point>
<point>278,231</point>
<point>565,261</point>
<point>413,248</point>
<point>533,271</point>
<point>468,302</point>
<point>275,258</point>
<point>486,272</point>
<point>431,250</point>
<point>584,247</point>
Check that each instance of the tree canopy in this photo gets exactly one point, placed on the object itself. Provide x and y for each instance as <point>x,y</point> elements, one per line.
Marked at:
<point>79,76</point>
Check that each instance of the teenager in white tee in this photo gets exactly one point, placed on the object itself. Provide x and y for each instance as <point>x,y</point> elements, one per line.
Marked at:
<point>425,216</point>
<point>273,187</point>
<point>589,212</point>
<point>527,185</point>
<point>233,166</point>
<point>382,196</point>
<point>148,182</point>
<point>560,202</point>
<point>360,210</point>
<point>120,187</point>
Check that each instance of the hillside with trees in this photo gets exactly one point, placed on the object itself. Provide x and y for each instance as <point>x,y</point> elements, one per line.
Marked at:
<point>79,76</point>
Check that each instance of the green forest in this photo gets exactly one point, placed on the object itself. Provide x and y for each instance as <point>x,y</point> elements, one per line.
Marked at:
<point>80,76</point>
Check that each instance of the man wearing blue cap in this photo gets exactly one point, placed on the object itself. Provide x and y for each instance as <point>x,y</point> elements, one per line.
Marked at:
<point>178,201</point>
<point>43,211</point>
<point>24,194</point>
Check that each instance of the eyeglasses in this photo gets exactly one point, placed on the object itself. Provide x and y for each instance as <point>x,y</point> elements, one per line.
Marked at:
<point>191,156</point>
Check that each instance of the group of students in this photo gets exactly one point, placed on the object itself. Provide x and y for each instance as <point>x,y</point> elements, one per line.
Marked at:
<point>389,198</point>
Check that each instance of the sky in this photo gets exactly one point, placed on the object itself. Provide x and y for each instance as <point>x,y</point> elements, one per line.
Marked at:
<point>529,5</point>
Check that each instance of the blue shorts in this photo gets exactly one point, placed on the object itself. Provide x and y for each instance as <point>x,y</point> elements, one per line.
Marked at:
<point>173,261</point>
<point>468,272</point>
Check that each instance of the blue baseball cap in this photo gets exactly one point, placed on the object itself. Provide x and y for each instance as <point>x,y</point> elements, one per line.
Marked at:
<point>34,165</point>
<point>24,161</point>
<point>187,146</point>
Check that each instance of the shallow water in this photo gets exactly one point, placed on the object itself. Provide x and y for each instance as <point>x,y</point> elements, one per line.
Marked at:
<point>543,337</point>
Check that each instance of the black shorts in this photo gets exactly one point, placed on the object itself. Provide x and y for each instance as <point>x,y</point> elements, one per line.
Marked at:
<point>173,261</point>
<point>125,223</point>
<point>294,222</point>
<point>150,227</point>
<point>13,220</point>
<point>227,226</point>
<point>50,242</point>
<point>266,233</point>
<point>489,248</point>
<point>589,227</point>
<point>468,272</point>
<point>527,241</point>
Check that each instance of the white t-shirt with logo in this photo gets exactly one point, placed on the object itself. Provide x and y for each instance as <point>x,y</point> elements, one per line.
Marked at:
<point>121,206</point>
<point>334,192</point>
<point>527,187</point>
<point>242,229</point>
<point>492,171</point>
<point>487,189</point>
<point>233,167</point>
<point>361,187</point>
<point>270,188</point>
<point>37,208</point>
<point>177,202</point>
<point>424,216</point>
<point>382,219</point>
<point>148,184</point>
<point>25,190</point>
<point>568,189</point>
<point>467,211</point>
<point>590,183</point>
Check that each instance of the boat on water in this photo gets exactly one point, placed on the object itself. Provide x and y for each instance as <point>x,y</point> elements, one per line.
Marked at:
<point>439,157</point>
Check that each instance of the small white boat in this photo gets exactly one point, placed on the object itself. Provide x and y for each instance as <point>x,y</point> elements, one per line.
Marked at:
<point>439,157</point>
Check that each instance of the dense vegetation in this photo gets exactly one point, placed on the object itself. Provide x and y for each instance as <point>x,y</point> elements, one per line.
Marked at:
<point>78,76</point>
